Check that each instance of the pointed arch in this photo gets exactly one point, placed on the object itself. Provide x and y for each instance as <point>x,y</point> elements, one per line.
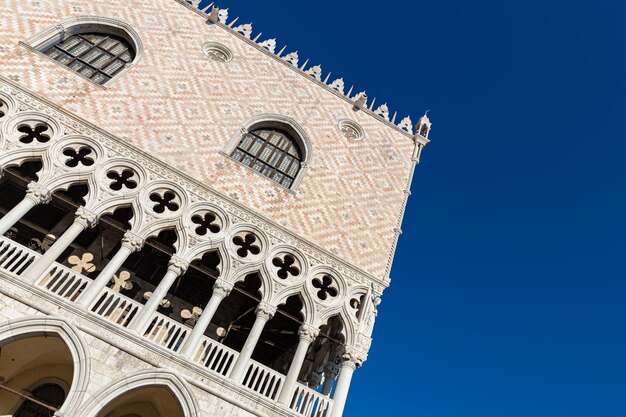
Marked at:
<point>32,326</point>
<point>144,379</point>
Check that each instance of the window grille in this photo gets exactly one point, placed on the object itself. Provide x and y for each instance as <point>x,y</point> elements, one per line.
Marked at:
<point>99,57</point>
<point>270,152</point>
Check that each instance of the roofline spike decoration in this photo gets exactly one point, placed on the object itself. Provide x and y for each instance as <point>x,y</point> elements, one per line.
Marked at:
<point>220,16</point>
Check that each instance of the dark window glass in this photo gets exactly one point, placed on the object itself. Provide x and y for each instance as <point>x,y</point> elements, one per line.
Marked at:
<point>96,56</point>
<point>270,152</point>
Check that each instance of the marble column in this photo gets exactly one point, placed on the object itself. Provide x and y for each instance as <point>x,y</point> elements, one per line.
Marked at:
<point>175,269</point>
<point>84,219</point>
<point>130,243</point>
<point>35,194</point>
<point>307,335</point>
<point>221,289</point>
<point>351,360</point>
<point>264,312</point>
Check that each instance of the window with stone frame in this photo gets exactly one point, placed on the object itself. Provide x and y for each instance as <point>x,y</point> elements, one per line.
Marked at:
<point>272,153</point>
<point>96,56</point>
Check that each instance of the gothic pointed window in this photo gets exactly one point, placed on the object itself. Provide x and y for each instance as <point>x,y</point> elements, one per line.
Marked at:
<point>272,153</point>
<point>96,56</point>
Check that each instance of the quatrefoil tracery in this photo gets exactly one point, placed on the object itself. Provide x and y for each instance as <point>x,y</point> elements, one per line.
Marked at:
<point>78,157</point>
<point>325,287</point>
<point>287,266</point>
<point>34,133</point>
<point>165,200</point>
<point>247,245</point>
<point>207,222</point>
<point>122,180</point>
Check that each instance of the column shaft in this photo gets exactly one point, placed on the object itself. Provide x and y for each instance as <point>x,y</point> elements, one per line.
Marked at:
<point>193,342</point>
<point>42,264</point>
<point>104,277</point>
<point>16,213</point>
<point>307,335</point>
<point>264,313</point>
<point>151,306</point>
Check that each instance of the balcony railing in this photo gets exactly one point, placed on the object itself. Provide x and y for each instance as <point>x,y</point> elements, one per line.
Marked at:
<point>218,359</point>
<point>166,332</point>
<point>263,380</point>
<point>63,282</point>
<point>14,257</point>
<point>215,356</point>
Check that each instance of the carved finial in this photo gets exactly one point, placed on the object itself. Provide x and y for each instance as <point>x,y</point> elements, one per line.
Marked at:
<point>292,58</point>
<point>245,30</point>
<point>338,85</point>
<point>269,44</point>
<point>382,111</point>
<point>223,16</point>
<point>406,124</point>
<point>315,72</point>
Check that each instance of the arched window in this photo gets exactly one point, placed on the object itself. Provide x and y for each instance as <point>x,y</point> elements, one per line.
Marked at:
<point>98,48</point>
<point>96,56</point>
<point>272,153</point>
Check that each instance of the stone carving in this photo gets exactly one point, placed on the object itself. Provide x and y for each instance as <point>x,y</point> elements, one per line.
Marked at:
<point>245,30</point>
<point>38,193</point>
<point>133,242</point>
<point>76,157</point>
<point>352,357</point>
<point>308,333</point>
<point>222,288</point>
<point>292,58</point>
<point>34,132</point>
<point>315,72</point>
<point>351,130</point>
<point>85,217</point>
<point>244,248</point>
<point>382,111</point>
<point>269,44</point>
<point>177,265</point>
<point>265,310</point>
<point>338,85</point>
<point>406,124</point>
<point>223,16</point>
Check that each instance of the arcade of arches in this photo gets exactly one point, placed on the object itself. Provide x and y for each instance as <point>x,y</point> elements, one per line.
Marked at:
<point>142,272</point>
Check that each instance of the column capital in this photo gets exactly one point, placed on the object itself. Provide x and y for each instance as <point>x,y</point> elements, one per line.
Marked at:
<point>85,218</point>
<point>352,357</point>
<point>132,242</point>
<point>222,288</point>
<point>265,310</point>
<point>178,265</point>
<point>38,193</point>
<point>308,333</point>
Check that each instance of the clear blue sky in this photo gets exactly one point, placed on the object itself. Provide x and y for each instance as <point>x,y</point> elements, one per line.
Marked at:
<point>508,293</point>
